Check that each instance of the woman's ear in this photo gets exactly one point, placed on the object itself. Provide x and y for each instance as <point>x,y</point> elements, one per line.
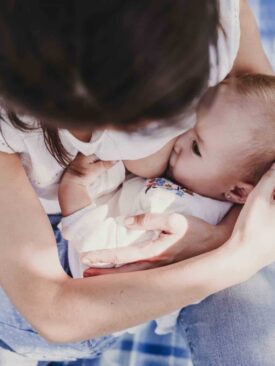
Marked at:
<point>239,193</point>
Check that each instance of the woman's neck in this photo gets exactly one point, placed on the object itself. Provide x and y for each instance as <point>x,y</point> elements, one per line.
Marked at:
<point>82,135</point>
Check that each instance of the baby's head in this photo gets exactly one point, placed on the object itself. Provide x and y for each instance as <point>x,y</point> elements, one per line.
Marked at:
<point>233,142</point>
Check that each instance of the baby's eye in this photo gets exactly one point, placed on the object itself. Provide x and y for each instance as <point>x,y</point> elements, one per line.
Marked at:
<point>195,148</point>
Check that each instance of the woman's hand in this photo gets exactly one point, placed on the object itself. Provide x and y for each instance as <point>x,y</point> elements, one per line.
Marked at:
<point>181,237</point>
<point>254,232</point>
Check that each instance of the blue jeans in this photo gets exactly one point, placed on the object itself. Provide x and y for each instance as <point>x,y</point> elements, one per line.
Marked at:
<point>235,326</point>
<point>16,333</point>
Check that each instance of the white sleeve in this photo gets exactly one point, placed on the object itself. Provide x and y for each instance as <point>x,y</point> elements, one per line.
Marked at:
<point>205,208</point>
<point>208,209</point>
<point>166,196</point>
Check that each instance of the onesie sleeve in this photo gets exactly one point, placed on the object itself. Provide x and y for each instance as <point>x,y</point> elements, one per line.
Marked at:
<point>163,196</point>
<point>205,208</point>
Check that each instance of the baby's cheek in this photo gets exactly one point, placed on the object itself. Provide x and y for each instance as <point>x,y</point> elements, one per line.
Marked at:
<point>180,176</point>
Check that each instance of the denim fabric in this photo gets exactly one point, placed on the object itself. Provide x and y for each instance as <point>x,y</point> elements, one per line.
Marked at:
<point>235,326</point>
<point>144,348</point>
<point>17,334</point>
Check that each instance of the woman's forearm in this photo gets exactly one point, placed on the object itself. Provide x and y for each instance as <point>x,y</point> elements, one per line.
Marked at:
<point>87,308</point>
<point>63,309</point>
<point>103,304</point>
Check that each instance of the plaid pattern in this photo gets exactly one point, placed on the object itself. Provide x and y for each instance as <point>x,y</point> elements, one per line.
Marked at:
<point>145,348</point>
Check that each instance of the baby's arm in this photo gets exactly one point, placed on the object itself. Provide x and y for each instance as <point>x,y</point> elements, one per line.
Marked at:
<point>73,191</point>
<point>152,166</point>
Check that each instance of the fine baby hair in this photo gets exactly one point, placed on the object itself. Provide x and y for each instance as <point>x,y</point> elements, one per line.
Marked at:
<point>257,95</point>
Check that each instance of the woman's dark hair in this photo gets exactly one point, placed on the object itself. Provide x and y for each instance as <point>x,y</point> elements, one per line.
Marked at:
<point>92,63</point>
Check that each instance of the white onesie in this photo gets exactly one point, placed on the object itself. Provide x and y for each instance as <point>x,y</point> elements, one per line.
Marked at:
<point>100,225</point>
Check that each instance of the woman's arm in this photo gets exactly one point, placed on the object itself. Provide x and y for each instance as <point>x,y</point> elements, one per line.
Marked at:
<point>192,237</point>
<point>60,308</point>
<point>64,309</point>
<point>251,57</point>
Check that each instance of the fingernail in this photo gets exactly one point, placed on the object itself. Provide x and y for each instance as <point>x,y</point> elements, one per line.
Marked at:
<point>129,221</point>
<point>114,162</point>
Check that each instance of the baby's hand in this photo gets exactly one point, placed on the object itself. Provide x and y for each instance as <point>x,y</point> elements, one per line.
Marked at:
<point>84,170</point>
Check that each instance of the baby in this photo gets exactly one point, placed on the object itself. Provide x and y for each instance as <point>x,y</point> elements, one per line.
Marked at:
<point>211,166</point>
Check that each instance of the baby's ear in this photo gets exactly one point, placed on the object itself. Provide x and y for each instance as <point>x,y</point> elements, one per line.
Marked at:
<point>239,193</point>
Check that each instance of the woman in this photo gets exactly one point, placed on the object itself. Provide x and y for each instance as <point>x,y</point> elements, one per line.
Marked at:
<point>81,66</point>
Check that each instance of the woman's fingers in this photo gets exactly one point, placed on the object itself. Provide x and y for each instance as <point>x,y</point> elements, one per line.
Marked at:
<point>132,267</point>
<point>177,234</point>
<point>148,250</point>
<point>168,223</point>
<point>254,231</point>
<point>171,227</point>
<point>118,256</point>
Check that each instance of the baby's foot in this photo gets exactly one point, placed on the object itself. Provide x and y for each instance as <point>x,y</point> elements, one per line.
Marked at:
<point>84,170</point>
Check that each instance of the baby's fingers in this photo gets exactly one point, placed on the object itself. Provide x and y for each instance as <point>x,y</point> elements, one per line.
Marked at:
<point>168,223</point>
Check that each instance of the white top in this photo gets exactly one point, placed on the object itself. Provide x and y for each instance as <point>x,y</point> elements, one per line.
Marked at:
<point>101,224</point>
<point>43,170</point>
